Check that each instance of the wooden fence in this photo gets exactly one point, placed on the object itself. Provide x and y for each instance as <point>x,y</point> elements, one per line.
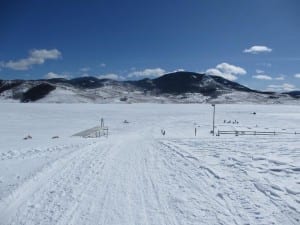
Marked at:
<point>242,132</point>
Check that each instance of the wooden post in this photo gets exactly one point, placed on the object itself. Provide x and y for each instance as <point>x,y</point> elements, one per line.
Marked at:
<point>214,112</point>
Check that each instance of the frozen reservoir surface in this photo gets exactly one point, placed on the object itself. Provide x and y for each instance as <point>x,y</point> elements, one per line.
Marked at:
<point>136,175</point>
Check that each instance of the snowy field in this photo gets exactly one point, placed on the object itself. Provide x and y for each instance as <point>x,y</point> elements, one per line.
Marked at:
<point>138,176</point>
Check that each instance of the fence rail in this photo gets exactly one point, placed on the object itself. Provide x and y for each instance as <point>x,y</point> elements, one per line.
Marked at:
<point>93,132</point>
<point>242,132</point>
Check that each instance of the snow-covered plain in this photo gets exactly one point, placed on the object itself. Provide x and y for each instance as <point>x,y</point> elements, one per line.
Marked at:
<point>139,176</point>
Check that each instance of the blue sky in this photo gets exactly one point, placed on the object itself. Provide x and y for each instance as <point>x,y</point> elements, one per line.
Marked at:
<point>253,42</point>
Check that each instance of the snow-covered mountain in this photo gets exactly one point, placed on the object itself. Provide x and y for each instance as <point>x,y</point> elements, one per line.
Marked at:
<point>178,87</point>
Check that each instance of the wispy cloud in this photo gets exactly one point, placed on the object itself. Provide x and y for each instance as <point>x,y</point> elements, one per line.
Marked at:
<point>36,56</point>
<point>281,77</point>
<point>297,75</point>
<point>218,73</point>
<point>228,68</point>
<point>285,59</point>
<point>179,70</point>
<point>260,71</point>
<point>102,65</point>
<point>262,77</point>
<point>85,69</point>
<point>111,76</point>
<point>52,75</point>
<point>281,87</point>
<point>265,64</point>
<point>156,72</point>
<point>227,71</point>
<point>256,49</point>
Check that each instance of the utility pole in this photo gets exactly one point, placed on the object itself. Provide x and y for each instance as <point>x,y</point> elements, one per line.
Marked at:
<point>214,112</point>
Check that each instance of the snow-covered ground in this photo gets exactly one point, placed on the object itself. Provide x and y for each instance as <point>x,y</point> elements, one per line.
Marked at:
<point>138,176</point>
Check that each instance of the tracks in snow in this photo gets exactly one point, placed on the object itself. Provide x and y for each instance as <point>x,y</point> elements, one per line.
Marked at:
<point>134,179</point>
<point>109,182</point>
<point>242,187</point>
<point>49,195</point>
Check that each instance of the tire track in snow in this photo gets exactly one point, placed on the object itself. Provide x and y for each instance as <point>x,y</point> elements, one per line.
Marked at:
<point>126,190</point>
<point>133,180</point>
<point>45,198</point>
<point>44,157</point>
<point>37,152</point>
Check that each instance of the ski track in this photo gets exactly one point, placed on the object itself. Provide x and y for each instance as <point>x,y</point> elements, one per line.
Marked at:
<point>145,180</point>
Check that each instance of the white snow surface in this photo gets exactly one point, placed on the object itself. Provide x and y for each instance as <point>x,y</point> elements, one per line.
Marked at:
<point>138,176</point>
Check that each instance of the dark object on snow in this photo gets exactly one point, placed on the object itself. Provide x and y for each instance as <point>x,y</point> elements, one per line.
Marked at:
<point>37,92</point>
<point>163,132</point>
<point>123,99</point>
<point>27,137</point>
<point>254,113</point>
<point>125,121</point>
<point>55,137</point>
<point>102,123</point>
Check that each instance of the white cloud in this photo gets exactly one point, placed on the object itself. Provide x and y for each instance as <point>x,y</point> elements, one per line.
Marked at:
<point>297,75</point>
<point>111,76</point>
<point>36,56</point>
<point>43,54</point>
<point>147,73</point>
<point>103,65</point>
<point>260,71</point>
<point>256,49</point>
<point>262,77</point>
<point>85,69</point>
<point>178,70</point>
<point>217,72</point>
<point>280,77</point>
<point>231,69</point>
<point>227,71</point>
<point>281,87</point>
<point>52,75</point>
<point>85,75</point>
<point>265,64</point>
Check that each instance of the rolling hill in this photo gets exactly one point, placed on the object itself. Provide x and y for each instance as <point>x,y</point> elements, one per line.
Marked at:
<point>177,87</point>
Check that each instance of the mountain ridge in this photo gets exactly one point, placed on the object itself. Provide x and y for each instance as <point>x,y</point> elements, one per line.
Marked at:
<point>176,87</point>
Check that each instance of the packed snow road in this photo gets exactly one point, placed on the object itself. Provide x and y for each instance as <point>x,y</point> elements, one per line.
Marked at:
<point>139,176</point>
